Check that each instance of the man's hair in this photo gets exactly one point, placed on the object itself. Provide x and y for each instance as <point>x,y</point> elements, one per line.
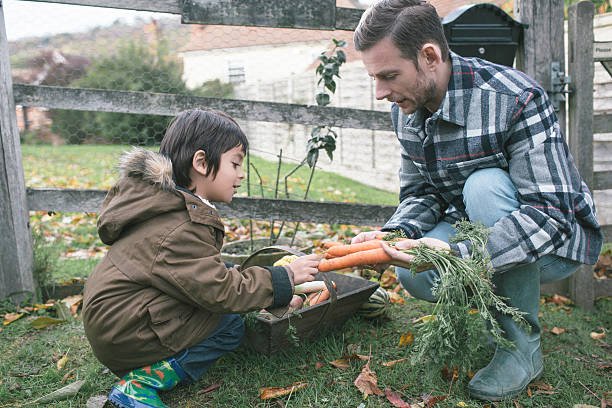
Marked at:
<point>212,131</point>
<point>409,23</point>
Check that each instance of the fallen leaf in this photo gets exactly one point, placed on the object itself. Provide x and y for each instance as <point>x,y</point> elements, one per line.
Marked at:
<point>584,406</point>
<point>11,317</point>
<point>275,392</point>
<point>388,279</point>
<point>529,392</point>
<point>318,365</point>
<point>557,330</point>
<point>73,302</point>
<point>447,374</point>
<point>539,385</point>
<point>396,297</point>
<point>395,399</point>
<point>63,393</point>
<point>597,336</point>
<point>559,300</point>
<point>67,375</point>
<point>366,381</point>
<point>45,321</point>
<point>341,363</point>
<point>394,362</point>
<point>62,362</point>
<point>424,319</point>
<point>462,404</point>
<point>405,339</point>
<point>431,400</point>
<point>96,402</point>
<point>209,388</point>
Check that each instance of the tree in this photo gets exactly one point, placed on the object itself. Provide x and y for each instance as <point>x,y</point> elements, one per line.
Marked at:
<point>135,67</point>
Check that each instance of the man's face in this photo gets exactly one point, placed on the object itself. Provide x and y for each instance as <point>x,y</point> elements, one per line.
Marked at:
<point>398,79</point>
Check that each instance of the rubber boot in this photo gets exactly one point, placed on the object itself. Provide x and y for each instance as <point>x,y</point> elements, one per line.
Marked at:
<point>138,389</point>
<point>511,370</point>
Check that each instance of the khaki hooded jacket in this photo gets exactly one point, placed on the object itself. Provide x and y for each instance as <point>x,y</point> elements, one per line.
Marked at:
<point>162,287</point>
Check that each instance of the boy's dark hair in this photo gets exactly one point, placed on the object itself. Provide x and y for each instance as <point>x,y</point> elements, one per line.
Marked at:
<point>209,130</point>
<point>409,23</point>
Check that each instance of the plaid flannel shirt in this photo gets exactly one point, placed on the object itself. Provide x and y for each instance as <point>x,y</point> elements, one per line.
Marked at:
<point>495,117</point>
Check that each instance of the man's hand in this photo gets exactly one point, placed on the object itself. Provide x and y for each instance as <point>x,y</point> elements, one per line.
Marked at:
<point>367,236</point>
<point>404,260</point>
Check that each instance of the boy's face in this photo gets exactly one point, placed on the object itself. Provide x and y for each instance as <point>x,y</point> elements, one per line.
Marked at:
<point>222,188</point>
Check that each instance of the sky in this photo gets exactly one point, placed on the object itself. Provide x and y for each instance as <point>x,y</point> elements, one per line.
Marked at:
<point>36,19</point>
<point>39,19</point>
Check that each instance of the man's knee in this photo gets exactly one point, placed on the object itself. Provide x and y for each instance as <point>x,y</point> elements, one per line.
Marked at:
<point>419,286</point>
<point>488,195</point>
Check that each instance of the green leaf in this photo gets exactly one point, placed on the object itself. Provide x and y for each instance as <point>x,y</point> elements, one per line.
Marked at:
<point>312,157</point>
<point>323,99</point>
<point>331,85</point>
<point>45,321</point>
<point>341,56</point>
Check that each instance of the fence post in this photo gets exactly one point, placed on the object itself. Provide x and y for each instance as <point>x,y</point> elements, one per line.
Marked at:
<point>542,43</point>
<point>15,239</point>
<point>580,64</point>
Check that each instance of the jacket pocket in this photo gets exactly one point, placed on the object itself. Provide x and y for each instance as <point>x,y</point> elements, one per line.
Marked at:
<point>460,171</point>
<point>166,320</point>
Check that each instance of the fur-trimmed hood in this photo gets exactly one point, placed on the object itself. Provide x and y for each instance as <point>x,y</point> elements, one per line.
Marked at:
<point>154,168</point>
<point>145,190</point>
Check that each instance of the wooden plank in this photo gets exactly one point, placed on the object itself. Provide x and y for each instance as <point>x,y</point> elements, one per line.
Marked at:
<point>603,287</point>
<point>89,201</point>
<point>580,137</point>
<point>347,18</point>
<point>602,180</point>
<point>607,233</point>
<point>543,41</point>
<point>15,240</point>
<point>602,123</point>
<point>311,14</point>
<point>171,104</point>
<point>161,6</point>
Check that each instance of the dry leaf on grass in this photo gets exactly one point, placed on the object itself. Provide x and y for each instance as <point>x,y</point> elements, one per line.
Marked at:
<point>62,362</point>
<point>318,365</point>
<point>388,279</point>
<point>209,388</point>
<point>275,392</point>
<point>341,363</point>
<point>11,317</point>
<point>394,362</point>
<point>396,297</point>
<point>431,400</point>
<point>367,382</point>
<point>597,336</point>
<point>395,399</point>
<point>45,321</point>
<point>63,393</point>
<point>405,339</point>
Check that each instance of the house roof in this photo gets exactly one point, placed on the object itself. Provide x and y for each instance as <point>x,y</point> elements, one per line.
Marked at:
<point>214,37</point>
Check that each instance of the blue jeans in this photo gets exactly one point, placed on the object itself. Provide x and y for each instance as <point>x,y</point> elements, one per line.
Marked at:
<point>488,195</point>
<point>197,359</point>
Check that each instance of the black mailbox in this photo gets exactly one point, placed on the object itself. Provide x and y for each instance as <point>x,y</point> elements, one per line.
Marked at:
<point>484,31</point>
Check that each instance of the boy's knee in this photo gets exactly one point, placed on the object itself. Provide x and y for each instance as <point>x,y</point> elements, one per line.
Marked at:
<point>235,328</point>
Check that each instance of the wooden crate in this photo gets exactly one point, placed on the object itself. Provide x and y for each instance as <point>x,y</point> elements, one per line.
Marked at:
<point>268,336</point>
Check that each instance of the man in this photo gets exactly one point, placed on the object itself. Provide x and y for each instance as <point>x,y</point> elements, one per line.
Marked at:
<point>479,141</point>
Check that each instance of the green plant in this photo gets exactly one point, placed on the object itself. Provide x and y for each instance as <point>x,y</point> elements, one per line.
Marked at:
<point>45,259</point>
<point>465,300</point>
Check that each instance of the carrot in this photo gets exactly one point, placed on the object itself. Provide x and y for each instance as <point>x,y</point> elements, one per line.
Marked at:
<point>368,257</point>
<point>309,287</point>
<point>341,250</point>
<point>318,297</point>
<point>329,244</point>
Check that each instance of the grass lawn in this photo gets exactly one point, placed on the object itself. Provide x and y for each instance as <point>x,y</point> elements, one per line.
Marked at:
<point>577,367</point>
<point>577,360</point>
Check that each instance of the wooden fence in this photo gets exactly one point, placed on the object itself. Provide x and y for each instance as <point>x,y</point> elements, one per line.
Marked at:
<point>16,252</point>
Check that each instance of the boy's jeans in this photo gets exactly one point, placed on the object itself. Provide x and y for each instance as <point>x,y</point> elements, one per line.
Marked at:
<point>197,359</point>
<point>488,195</point>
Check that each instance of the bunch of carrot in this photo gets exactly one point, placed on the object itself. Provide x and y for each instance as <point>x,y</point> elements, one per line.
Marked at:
<point>316,292</point>
<point>339,256</point>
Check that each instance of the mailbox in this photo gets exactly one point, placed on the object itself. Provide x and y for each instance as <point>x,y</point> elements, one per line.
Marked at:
<point>484,31</point>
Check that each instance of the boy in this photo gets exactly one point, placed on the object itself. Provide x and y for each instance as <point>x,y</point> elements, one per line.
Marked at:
<point>161,307</point>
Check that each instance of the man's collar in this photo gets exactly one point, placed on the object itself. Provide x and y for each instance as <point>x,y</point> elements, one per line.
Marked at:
<point>456,102</point>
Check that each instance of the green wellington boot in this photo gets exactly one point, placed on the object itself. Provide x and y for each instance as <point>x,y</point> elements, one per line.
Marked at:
<point>511,370</point>
<point>138,389</point>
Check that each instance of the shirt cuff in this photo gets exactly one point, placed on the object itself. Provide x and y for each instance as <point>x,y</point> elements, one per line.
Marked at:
<point>281,285</point>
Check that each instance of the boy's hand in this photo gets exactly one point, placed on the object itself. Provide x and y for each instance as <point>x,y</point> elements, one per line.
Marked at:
<point>305,268</point>
<point>296,303</point>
